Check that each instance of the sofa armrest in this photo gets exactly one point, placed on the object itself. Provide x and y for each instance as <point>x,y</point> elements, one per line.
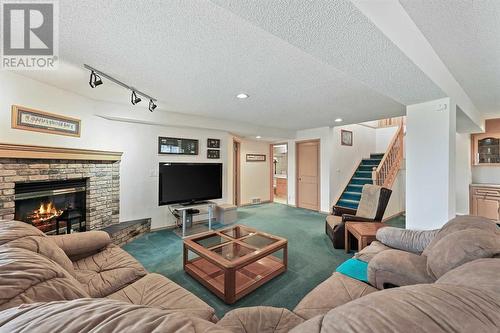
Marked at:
<point>354,218</point>
<point>414,241</point>
<point>339,211</point>
<point>260,319</point>
<point>397,268</point>
<point>82,244</point>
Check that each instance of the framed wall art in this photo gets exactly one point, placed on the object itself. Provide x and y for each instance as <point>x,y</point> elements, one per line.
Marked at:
<point>213,143</point>
<point>256,157</point>
<point>27,119</point>
<point>345,138</point>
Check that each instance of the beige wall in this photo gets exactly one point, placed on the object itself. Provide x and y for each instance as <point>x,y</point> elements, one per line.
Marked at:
<point>255,176</point>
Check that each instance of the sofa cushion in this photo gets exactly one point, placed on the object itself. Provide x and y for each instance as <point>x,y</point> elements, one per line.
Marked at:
<point>398,268</point>
<point>333,221</point>
<point>460,247</point>
<point>406,240</point>
<point>159,292</point>
<point>22,235</point>
<point>334,291</point>
<point>427,308</point>
<point>82,244</point>
<point>458,223</point>
<point>27,277</point>
<point>99,315</point>
<point>368,205</point>
<point>260,319</point>
<point>370,251</point>
<point>107,271</point>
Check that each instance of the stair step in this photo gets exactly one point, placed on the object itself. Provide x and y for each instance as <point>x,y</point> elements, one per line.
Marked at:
<point>365,168</point>
<point>370,162</point>
<point>360,181</point>
<point>348,203</point>
<point>351,196</point>
<point>377,156</point>
<point>363,174</point>
<point>353,188</point>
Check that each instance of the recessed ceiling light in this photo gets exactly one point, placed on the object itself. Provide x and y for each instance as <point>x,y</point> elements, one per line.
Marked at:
<point>242,96</point>
<point>338,120</point>
<point>258,137</point>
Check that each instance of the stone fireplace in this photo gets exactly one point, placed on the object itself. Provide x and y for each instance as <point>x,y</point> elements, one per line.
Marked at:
<point>59,190</point>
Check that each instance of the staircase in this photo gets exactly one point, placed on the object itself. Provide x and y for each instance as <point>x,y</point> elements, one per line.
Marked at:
<point>363,175</point>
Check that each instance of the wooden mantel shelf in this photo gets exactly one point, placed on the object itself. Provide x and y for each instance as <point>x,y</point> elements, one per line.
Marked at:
<point>40,152</point>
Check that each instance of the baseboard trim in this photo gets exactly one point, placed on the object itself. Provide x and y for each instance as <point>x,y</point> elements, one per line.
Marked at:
<point>254,204</point>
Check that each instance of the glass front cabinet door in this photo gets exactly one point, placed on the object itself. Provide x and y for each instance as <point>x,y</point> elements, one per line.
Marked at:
<point>487,149</point>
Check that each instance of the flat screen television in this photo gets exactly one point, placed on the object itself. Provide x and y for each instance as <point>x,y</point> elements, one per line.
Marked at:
<point>189,182</point>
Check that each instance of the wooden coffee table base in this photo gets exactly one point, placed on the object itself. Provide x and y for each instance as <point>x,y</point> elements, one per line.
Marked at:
<point>364,232</point>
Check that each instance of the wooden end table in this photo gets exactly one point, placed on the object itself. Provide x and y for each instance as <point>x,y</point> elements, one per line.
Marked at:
<point>364,232</point>
<point>234,261</point>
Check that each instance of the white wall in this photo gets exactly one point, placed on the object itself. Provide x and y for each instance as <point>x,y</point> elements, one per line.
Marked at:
<point>463,172</point>
<point>138,142</point>
<point>255,176</point>
<point>384,136</point>
<point>430,164</point>
<point>345,159</point>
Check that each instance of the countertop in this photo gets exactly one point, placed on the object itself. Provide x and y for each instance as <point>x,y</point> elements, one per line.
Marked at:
<point>485,185</point>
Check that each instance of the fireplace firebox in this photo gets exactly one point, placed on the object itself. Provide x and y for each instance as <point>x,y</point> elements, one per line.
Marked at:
<point>54,207</point>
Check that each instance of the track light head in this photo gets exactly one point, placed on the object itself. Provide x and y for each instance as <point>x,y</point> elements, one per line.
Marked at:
<point>95,80</point>
<point>134,99</point>
<point>152,105</point>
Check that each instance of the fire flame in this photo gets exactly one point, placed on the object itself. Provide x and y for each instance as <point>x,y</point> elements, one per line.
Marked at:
<point>46,211</point>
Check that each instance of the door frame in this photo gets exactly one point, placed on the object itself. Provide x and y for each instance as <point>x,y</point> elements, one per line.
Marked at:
<point>271,164</point>
<point>297,143</point>
<point>236,172</point>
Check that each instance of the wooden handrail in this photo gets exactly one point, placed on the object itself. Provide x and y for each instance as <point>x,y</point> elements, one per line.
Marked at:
<point>386,172</point>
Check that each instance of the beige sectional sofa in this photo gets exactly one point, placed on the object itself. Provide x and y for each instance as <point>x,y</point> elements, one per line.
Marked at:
<point>51,285</point>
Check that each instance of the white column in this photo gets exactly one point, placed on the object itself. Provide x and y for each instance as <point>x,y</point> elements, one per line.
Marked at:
<point>430,164</point>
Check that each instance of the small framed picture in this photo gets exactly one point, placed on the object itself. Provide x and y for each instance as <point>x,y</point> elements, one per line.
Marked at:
<point>256,157</point>
<point>213,153</point>
<point>345,138</point>
<point>213,143</point>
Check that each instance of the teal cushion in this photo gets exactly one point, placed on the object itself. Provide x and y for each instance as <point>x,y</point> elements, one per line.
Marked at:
<point>355,269</point>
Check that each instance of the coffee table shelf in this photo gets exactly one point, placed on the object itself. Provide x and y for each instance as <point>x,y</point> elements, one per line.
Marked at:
<point>233,262</point>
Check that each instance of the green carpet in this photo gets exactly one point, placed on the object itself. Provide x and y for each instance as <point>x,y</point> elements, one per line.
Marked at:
<point>311,257</point>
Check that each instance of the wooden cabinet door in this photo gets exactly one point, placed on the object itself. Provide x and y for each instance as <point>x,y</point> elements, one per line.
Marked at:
<point>486,207</point>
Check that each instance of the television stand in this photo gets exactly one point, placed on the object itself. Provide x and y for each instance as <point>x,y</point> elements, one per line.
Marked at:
<point>203,208</point>
<point>193,203</point>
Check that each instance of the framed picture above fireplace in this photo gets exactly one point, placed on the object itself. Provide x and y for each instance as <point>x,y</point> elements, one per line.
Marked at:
<point>40,121</point>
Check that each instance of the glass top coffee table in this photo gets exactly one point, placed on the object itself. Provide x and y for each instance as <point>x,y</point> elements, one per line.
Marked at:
<point>232,262</point>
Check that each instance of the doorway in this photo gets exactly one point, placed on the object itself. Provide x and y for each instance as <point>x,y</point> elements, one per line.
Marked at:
<point>308,175</point>
<point>279,173</point>
<point>236,172</point>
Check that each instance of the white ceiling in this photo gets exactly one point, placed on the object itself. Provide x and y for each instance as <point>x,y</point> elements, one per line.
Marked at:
<point>303,63</point>
<point>466,36</point>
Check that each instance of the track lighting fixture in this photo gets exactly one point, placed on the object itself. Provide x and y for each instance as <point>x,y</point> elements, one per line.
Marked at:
<point>95,80</point>
<point>152,105</point>
<point>134,99</point>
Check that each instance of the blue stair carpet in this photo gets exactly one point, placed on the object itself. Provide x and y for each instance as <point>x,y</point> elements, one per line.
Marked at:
<point>363,175</point>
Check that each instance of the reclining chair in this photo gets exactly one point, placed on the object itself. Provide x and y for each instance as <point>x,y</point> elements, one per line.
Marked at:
<point>372,205</point>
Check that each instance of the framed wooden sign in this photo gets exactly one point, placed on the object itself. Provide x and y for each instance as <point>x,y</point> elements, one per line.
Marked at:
<point>213,153</point>
<point>256,157</point>
<point>345,138</point>
<point>177,146</point>
<point>39,121</point>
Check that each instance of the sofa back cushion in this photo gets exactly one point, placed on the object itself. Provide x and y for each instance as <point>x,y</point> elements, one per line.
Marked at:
<point>461,223</point>
<point>368,204</point>
<point>481,273</point>
<point>24,236</point>
<point>460,247</point>
<point>28,277</point>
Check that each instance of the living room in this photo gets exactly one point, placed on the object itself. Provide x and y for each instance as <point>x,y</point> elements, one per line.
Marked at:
<point>142,170</point>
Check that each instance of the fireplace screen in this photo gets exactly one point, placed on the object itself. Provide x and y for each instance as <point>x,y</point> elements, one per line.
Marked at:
<point>53,207</point>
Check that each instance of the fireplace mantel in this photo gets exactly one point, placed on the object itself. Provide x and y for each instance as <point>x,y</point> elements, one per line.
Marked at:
<point>41,152</point>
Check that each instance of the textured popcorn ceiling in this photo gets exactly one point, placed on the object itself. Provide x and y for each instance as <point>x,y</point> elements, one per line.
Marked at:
<point>303,63</point>
<point>466,36</point>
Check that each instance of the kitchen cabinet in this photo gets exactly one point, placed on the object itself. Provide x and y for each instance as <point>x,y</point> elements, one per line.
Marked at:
<point>281,188</point>
<point>485,201</point>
